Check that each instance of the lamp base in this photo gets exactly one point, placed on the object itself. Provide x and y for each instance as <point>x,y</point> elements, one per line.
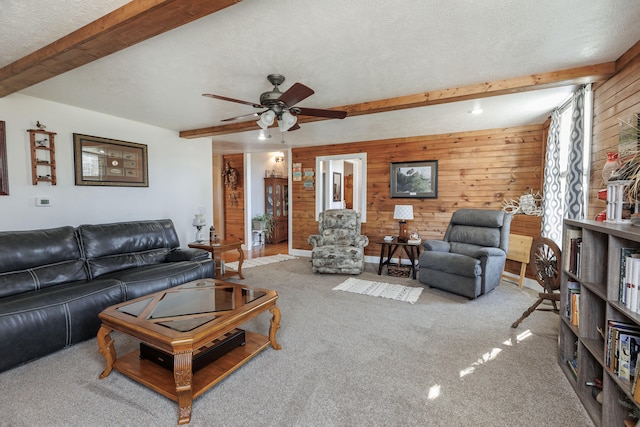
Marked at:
<point>403,234</point>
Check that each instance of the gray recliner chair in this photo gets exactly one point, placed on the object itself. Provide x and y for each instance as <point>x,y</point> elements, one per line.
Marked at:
<point>338,247</point>
<point>470,258</point>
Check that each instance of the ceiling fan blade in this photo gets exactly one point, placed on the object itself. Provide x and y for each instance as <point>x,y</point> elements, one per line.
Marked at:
<point>242,116</point>
<point>239,101</point>
<point>317,112</point>
<point>295,94</point>
<point>294,127</point>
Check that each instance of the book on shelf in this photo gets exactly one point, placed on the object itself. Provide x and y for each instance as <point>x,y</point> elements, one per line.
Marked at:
<point>573,367</point>
<point>571,237</point>
<point>572,309</point>
<point>621,351</point>
<point>625,253</point>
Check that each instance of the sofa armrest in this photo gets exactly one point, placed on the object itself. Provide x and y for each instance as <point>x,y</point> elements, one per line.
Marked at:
<point>186,254</point>
<point>436,246</point>
<point>315,240</point>
<point>361,241</point>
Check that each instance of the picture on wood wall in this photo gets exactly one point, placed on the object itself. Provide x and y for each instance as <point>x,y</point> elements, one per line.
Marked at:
<point>109,162</point>
<point>4,176</point>
<point>417,179</point>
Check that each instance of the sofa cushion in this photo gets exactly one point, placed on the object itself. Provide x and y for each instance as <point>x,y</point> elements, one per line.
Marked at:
<point>452,263</point>
<point>124,245</point>
<point>143,280</point>
<point>37,323</point>
<point>480,236</point>
<point>37,259</point>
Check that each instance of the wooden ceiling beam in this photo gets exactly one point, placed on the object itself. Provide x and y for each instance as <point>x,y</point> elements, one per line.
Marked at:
<point>132,23</point>
<point>580,75</point>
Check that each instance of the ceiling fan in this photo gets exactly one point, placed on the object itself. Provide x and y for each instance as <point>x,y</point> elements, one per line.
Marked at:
<point>281,105</point>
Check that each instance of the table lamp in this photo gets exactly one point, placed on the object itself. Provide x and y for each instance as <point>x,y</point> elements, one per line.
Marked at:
<point>199,222</point>
<point>403,213</point>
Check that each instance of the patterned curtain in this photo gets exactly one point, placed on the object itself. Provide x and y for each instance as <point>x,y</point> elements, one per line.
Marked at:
<point>574,195</point>
<point>551,198</point>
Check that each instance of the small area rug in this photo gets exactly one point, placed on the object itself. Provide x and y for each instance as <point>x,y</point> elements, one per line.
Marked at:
<point>255,262</point>
<point>380,289</point>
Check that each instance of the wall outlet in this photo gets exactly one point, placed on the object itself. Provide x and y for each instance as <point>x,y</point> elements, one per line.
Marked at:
<point>43,202</point>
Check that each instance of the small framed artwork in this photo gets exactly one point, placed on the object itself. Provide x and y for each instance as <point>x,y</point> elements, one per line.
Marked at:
<point>109,162</point>
<point>417,179</point>
<point>337,186</point>
<point>4,175</point>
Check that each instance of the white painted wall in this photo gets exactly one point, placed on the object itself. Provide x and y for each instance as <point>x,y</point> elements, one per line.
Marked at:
<point>180,172</point>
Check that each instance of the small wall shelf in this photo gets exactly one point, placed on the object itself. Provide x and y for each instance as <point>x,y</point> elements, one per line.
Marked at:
<point>43,156</point>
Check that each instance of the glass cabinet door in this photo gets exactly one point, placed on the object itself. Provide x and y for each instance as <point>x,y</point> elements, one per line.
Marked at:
<point>269,199</point>
<point>285,198</point>
<point>278,198</point>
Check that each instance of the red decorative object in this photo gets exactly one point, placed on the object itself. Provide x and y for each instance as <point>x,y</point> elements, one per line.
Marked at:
<point>611,166</point>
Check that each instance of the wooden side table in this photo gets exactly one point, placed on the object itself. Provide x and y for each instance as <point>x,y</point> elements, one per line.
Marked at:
<point>389,247</point>
<point>217,249</point>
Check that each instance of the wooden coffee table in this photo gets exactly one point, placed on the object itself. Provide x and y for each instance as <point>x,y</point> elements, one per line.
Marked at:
<point>182,322</point>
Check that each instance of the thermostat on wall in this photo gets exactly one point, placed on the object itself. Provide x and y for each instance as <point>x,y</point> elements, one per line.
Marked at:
<point>43,201</point>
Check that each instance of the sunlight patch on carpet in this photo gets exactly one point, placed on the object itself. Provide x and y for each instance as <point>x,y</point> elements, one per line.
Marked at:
<point>256,262</point>
<point>380,289</point>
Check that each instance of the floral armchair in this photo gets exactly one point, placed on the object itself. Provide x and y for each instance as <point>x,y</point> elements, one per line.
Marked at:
<point>338,247</point>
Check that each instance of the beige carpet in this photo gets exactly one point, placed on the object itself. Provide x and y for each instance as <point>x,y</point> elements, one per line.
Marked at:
<point>346,360</point>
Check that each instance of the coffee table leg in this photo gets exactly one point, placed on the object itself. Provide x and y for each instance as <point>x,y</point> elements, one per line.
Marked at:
<point>107,349</point>
<point>182,376</point>
<point>275,325</point>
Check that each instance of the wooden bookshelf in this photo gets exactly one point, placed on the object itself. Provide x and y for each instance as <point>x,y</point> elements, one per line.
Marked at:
<point>599,279</point>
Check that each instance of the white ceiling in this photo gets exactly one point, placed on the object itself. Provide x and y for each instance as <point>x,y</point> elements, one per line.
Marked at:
<point>347,51</point>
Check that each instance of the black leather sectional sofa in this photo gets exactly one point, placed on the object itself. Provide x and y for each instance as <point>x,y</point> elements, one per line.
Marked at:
<point>54,282</point>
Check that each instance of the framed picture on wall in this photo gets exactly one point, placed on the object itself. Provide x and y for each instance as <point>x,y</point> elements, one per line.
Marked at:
<point>337,186</point>
<point>4,175</point>
<point>109,162</point>
<point>417,179</point>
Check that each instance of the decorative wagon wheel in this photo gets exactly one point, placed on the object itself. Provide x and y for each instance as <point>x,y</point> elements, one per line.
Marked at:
<point>546,261</point>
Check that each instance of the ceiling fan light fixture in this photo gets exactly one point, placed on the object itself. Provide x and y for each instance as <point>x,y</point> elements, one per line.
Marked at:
<point>286,121</point>
<point>266,119</point>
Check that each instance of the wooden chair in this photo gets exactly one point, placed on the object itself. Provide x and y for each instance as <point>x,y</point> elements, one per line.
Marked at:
<point>520,251</point>
<point>546,260</point>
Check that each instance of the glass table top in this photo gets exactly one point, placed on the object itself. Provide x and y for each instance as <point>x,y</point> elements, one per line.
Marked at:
<point>192,305</point>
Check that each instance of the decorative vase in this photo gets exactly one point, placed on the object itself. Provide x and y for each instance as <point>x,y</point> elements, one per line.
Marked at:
<point>610,166</point>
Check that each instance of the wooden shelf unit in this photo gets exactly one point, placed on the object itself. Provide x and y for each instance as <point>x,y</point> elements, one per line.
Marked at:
<point>43,156</point>
<point>599,278</point>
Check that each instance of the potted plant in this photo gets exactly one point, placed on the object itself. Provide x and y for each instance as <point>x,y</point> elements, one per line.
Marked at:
<point>264,222</point>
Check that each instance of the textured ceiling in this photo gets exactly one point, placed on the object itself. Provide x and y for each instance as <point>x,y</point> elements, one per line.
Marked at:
<point>347,51</point>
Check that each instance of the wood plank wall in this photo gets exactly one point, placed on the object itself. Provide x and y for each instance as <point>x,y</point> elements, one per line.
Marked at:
<point>476,169</point>
<point>615,99</point>
<point>234,208</point>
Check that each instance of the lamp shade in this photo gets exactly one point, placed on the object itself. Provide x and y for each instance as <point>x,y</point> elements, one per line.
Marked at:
<point>199,221</point>
<point>403,212</point>
<point>266,119</point>
<point>286,121</point>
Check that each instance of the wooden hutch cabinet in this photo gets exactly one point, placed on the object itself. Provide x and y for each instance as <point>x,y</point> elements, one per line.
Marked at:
<point>276,203</point>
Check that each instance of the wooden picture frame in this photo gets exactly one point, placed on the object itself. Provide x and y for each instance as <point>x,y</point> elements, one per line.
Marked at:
<point>417,180</point>
<point>337,186</point>
<point>4,175</point>
<point>109,162</point>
